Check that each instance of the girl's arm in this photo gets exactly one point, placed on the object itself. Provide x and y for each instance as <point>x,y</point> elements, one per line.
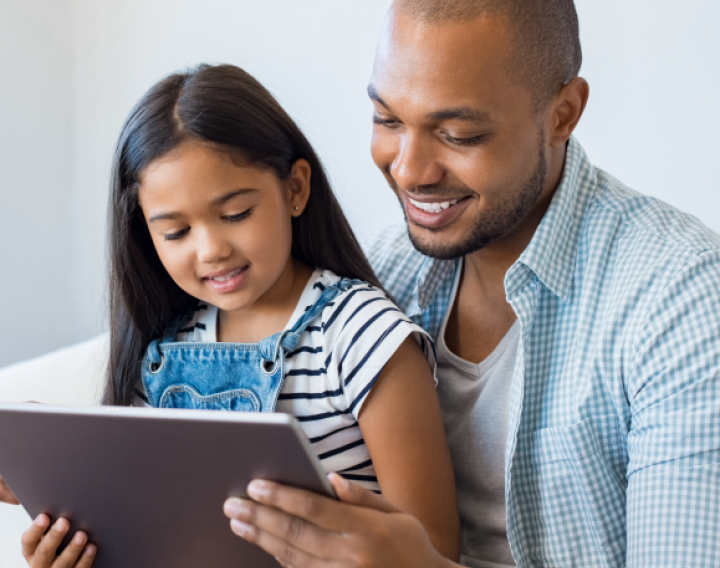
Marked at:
<point>39,546</point>
<point>402,426</point>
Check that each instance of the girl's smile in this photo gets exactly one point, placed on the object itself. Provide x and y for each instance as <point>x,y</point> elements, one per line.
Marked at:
<point>225,281</point>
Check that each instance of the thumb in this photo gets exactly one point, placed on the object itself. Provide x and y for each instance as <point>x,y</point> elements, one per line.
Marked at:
<point>354,494</point>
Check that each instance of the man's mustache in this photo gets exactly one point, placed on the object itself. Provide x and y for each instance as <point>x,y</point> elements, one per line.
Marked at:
<point>435,189</point>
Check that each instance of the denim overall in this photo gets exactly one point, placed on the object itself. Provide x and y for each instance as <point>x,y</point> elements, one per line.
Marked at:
<point>243,377</point>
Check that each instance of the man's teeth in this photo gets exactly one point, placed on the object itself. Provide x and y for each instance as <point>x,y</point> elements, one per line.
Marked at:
<point>434,207</point>
<point>227,276</point>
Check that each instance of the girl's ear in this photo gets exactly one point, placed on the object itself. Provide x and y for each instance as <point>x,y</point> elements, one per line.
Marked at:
<point>298,187</point>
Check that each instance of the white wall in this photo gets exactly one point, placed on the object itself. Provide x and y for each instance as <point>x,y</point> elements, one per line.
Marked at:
<point>654,118</point>
<point>35,178</point>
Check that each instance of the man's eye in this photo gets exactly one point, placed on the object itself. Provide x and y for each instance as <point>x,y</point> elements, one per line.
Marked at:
<point>386,122</point>
<point>472,141</point>
<point>176,236</point>
<point>237,217</point>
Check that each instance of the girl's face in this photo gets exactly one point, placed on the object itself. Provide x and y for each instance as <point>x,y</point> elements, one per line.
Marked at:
<point>222,230</point>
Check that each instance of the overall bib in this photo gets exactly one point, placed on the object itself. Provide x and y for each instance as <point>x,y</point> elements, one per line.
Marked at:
<point>244,377</point>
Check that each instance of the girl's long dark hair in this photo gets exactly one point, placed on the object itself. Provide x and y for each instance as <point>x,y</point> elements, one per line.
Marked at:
<point>227,108</point>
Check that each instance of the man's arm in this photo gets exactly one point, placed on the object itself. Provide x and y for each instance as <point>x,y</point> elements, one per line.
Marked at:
<point>674,440</point>
<point>304,530</point>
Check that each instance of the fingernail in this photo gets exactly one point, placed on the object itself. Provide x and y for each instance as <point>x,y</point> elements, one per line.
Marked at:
<point>41,521</point>
<point>339,480</point>
<point>61,525</point>
<point>236,508</point>
<point>79,538</point>
<point>90,550</point>
<point>258,489</point>
<point>241,529</point>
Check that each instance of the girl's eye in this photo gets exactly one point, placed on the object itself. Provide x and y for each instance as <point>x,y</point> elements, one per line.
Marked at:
<point>237,217</point>
<point>386,122</point>
<point>176,236</point>
<point>472,141</point>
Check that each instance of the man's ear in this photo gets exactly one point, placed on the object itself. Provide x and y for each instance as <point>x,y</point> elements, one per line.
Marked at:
<point>567,109</point>
<point>298,187</point>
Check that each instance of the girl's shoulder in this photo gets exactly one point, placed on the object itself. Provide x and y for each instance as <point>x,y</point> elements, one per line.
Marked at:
<point>360,309</point>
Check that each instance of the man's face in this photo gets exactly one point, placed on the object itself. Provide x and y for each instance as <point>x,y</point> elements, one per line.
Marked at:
<point>456,139</point>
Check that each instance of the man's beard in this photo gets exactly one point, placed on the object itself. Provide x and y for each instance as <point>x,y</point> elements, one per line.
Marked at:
<point>495,224</point>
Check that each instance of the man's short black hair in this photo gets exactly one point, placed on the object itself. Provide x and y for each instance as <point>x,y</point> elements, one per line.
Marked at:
<point>545,35</point>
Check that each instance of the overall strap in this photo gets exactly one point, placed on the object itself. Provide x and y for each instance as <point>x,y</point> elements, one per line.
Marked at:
<point>288,339</point>
<point>169,334</point>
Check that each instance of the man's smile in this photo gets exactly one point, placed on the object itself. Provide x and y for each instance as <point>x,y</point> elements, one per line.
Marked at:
<point>433,212</point>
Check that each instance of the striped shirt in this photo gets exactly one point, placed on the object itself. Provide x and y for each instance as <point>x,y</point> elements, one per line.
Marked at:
<point>613,449</point>
<point>333,368</point>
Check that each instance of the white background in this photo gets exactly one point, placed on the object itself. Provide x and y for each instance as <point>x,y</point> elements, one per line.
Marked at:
<point>72,69</point>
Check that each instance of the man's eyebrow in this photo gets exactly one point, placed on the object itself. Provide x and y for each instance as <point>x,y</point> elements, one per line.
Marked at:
<point>464,114</point>
<point>373,94</point>
<point>216,202</point>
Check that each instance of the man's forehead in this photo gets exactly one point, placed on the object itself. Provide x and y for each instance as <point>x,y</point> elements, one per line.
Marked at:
<point>463,53</point>
<point>453,71</point>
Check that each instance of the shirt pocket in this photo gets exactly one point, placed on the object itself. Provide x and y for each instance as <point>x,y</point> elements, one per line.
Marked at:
<point>579,500</point>
<point>186,396</point>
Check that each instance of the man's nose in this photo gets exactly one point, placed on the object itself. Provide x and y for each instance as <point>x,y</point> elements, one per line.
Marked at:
<point>415,163</point>
<point>211,245</point>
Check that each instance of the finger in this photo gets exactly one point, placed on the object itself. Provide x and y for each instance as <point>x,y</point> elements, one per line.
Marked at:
<point>32,536</point>
<point>354,494</point>
<point>87,557</point>
<point>322,511</point>
<point>7,496</point>
<point>72,551</point>
<point>46,551</point>
<point>284,552</point>
<point>250,518</point>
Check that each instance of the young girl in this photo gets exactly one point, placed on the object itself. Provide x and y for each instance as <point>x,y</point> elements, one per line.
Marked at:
<point>237,284</point>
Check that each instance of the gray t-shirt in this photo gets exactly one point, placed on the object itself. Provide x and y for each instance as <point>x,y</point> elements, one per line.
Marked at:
<point>475,401</point>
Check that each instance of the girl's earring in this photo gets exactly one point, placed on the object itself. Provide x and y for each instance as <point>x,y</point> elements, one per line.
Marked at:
<point>297,208</point>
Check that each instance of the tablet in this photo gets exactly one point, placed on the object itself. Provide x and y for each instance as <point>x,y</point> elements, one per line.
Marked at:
<point>148,485</point>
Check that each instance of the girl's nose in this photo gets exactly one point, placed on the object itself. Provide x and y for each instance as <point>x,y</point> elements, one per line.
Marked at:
<point>211,246</point>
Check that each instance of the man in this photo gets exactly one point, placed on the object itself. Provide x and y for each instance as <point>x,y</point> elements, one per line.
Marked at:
<point>577,322</point>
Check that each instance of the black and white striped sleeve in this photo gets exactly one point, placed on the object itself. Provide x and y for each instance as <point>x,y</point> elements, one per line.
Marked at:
<point>365,329</point>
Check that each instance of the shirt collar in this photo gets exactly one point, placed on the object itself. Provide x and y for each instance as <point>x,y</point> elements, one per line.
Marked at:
<point>553,248</point>
<point>552,251</point>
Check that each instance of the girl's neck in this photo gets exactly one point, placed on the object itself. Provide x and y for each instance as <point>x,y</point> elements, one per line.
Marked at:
<point>270,313</point>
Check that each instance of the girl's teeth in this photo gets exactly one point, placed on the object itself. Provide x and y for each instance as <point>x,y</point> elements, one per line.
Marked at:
<point>228,276</point>
<point>434,207</point>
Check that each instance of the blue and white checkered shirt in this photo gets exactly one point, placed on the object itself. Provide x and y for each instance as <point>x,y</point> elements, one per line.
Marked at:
<point>613,449</point>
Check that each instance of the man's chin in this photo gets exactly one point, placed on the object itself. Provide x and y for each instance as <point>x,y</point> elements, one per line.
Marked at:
<point>436,245</point>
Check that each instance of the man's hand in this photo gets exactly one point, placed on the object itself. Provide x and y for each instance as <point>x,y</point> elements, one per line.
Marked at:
<point>6,496</point>
<point>305,530</point>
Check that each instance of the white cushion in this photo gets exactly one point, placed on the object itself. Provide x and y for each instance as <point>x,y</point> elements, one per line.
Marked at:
<point>74,375</point>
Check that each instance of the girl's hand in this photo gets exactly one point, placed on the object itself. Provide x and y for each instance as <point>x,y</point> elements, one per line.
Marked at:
<point>39,546</point>
<point>6,496</point>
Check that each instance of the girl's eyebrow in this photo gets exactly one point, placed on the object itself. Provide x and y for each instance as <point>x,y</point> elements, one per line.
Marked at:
<point>228,196</point>
<point>216,202</point>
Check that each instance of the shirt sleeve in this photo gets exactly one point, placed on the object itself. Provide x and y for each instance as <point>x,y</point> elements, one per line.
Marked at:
<point>673,494</point>
<point>365,329</point>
